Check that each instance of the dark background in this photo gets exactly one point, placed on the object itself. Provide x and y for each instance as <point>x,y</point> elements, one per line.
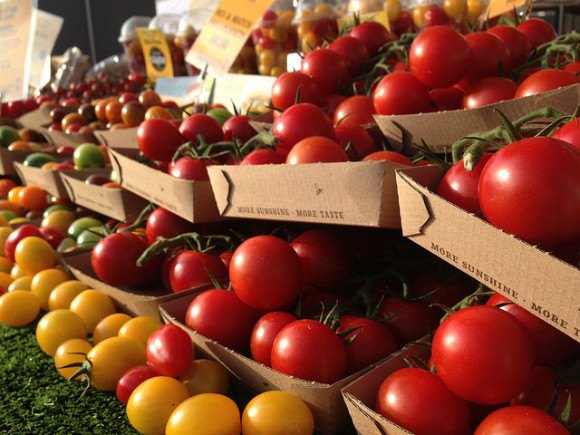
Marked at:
<point>107,19</point>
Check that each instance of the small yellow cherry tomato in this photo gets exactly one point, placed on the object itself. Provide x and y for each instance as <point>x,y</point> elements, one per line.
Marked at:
<point>140,328</point>
<point>67,353</point>
<point>34,254</point>
<point>393,9</point>
<point>455,9</point>
<point>44,282</point>
<point>205,376</point>
<point>18,308</point>
<point>22,283</point>
<point>58,326</point>
<point>64,293</point>
<point>92,306</point>
<point>109,326</point>
<point>5,281</point>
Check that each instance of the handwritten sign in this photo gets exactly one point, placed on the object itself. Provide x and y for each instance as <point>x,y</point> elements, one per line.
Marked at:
<point>225,34</point>
<point>158,61</point>
<point>47,29</point>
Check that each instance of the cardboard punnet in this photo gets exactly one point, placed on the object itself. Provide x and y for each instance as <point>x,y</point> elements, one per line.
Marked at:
<point>192,200</point>
<point>50,180</point>
<point>60,138</point>
<point>539,282</point>
<point>441,129</point>
<point>361,393</point>
<point>8,158</point>
<point>325,401</point>
<point>137,301</point>
<point>350,193</point>
<point>121,138</point>
<point>35,119</point>
<point>119,204</point>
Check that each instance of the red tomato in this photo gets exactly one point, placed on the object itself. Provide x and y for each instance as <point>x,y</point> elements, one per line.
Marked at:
<point>388,156</point>
<point>204,125</point>
<point>516,42</point>
<point>238,127</point>
<point>327,68</point>
<point>447,98</point>
<point>520,420</point>
<point>301,121</point>
<point>372,342</point>
<point>286,88</point>
<point>483,355</point>
<point>550,346</point>
<point>400,93</point>
<point>264,333</point>
<point>538,31</point>
<point>540,391</point>
<point>408,320</point>
<point>131,379</point>
<point>489,90</point>
<point>353,50</point>
<point>162,223</point>
<point>170,351</point>
<point>523,205</point>
<point>356,110</point>
<point>460,187</point>
<point>545,80</point>
<point>355,140</point>
<point>439,57</point>
<point>191,269</point>
<point>52,235</point>
<point>206,314</point>
<point>316,149</point>
<point>569,132</point>
<point>265,273</point>
<point>435,16</point>
<point>188,168</point>
<point>374,35</point>
<point>407,398</point>
<point>489,57</point>
<point>158,139</point>
<point>310,350</point>
<point>326,261</point>
<point>573,67</point>
<point>263,156</point>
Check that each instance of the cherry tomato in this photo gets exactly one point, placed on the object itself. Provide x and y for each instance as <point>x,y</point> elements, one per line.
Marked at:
<point>489,90</point>
<point>540,391</point>
<point>44,282</point>
<point>263,156</point>
<point>538,31</point>
<point>447,98</point>
<point>191,269</point>
<point>63,294</point>
<point>162,223</point>
<point>205,376</point>
<point>516,420</point>
<point>374,35</point>
<point>327,68</point>
<point>92,306</point>
<point>461,354</point>
<point>408,320</point>
<point>131,379</point>
<point>316,149</point>
<point>109,326</point>
<point>264,333</point>
<point>406,397</point>
<point>355,140</point>
<point>16,236</point>
<point>266,273</point>
<point>301,121</point>
<point>192,169</point>
<point>516,42</point>
<point>545,80</point>
<point>58,326</point>
<point>356,110</point>
<point>569,132</point>
<point>388,156</point>
<point>68,353</point>
<point>158,139</point>
<point>489,57</point>
<point>18,308</point>
<point>139,328</point>
<point>353,50</point>
<point>400,93</point>
<point>170,351</point>
<point>204,125</point>
<point>286,87</point>
<point>238,127</point>
<point>34,254</point>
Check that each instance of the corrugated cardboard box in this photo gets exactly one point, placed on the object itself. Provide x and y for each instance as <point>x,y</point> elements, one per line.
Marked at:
<point>441,129</point>
<point>121,138</point>
<point>350,193</point>
<point>135,301</point>
<point>50,180</point>
<point>119,204</point>
<point>324,400</point>
<point>360,395</point>
<point>192,200</point>
<point>539,282</point>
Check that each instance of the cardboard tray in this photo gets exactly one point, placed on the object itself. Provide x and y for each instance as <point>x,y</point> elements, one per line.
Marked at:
<point>121,138</point>
<point>539,282</point>
<point>441,129</point>
<point>137,302</point>
<point>325,401</point>
<point>119,204</point>
<point>35,119</point>
<point>350,193</point>
<point>8,158</point>
<point>360,394</point>
<point>192,200</point>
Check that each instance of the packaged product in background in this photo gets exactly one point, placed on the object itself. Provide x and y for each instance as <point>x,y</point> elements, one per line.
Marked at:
<point>131,45</point>
<point>316,22</point>
<point>169,25</point>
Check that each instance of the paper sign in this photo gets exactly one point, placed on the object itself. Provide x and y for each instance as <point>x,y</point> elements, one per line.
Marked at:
<point>47,29</point>
<point>499,7</point>
<point>158,61</point>
<point>224,35</point>
<point>245,90</point>
<point>16,22</point>
<point>379,16</point>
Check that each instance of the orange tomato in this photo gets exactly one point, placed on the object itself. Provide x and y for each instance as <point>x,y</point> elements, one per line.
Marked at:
<point>33,198</point>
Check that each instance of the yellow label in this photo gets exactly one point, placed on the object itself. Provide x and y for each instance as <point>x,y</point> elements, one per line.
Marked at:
<point>225,34</point>
<point>500,7</point>
<point>379,16</point>
<point>156,52</point>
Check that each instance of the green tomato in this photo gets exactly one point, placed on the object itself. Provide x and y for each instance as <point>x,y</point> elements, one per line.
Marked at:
<point>90,237</point>
<point>81,224</point>
<point>220,115</point>
<point>8,135</point>
<point>88,155</point>
<point>68,243</point>
<point>9,215</point>
<point>55,207</point>
<point>38,159</point>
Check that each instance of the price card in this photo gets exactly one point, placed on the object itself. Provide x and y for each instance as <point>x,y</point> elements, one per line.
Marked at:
<point>47,29</point>
<point>16,22</point>
<point>224,35</point>
<point>500,7</point>
<point>156,52</point>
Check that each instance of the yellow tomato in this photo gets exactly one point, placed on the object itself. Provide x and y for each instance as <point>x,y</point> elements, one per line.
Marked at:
<point>111,358</point>
<point>5,281</point>
<point>393,9</point>
<point>474,10</point>
<point>455,9</point>
<point>153,401</point>
<point>5,264</point>
<point>67,354</point>
<point>34,254</point>
<point>109,326</point>
<point>140,328</point>
<point>44,282</point>
<point>18,308</point>
<point>205,376</point>
<point>64,293</point>
<point>3,221</point>
<point>205,414</point>
<point>16,272</point>
<point>4,233</point>
<point>59,219</point>
<point>22,283</point>
<point>58,326</point>
<point>419,15</point>
<point>14,195</point>
<point>92,306</point>
<point>277,413</point>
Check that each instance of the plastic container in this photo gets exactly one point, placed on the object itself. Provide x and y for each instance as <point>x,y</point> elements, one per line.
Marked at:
<point>316,22</point>
<point>169,26</point>
<point>131,45</point>
<point>184,39</point>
